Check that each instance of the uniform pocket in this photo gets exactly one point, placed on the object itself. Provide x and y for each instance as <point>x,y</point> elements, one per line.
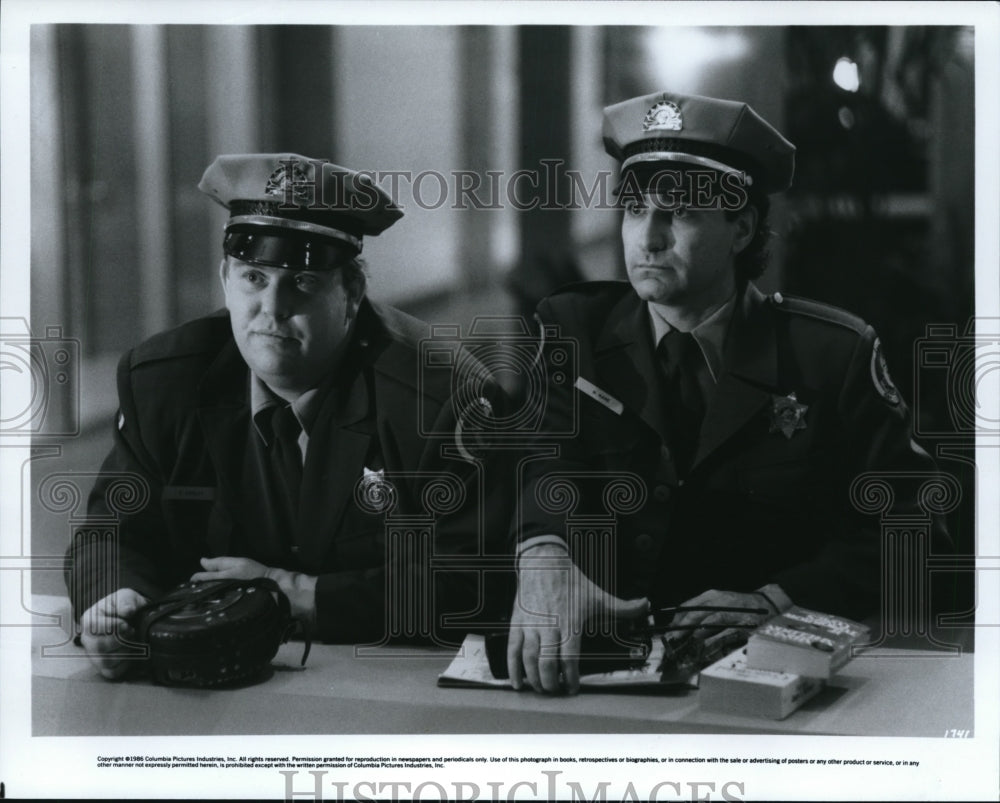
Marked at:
<point>186,509</point>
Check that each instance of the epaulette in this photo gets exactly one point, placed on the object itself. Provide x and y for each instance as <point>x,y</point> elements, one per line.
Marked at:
<point>818,311</point>
<point>201,336</point>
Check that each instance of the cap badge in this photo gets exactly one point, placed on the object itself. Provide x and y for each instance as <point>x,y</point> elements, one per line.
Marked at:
<point>664,116</point>
<point>880,375</point>
<point>290,181</point>
<point>787,414</point>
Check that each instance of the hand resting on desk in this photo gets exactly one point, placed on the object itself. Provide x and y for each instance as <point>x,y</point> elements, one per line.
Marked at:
<point>555,599</point>
<point>300,588</point>
<point>546,625</point>
<point>106,631</point>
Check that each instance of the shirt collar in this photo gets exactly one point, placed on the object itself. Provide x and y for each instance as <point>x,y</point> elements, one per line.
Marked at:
<point>710,334</point>
<point>262,398</point>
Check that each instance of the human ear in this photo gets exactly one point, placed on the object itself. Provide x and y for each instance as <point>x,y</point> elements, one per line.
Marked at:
<point>351,308</point>
<point>745,229</point>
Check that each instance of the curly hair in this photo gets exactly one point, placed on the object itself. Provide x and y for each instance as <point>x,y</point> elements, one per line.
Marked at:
<point>354,275</point>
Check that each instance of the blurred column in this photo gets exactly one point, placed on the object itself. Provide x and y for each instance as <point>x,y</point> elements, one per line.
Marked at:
<point>546,243</point>
<point>193,273</point>
<point>506,125</point>
<point>103,250</point>
<point>49,286</point>
<point>545,132</point>
<point>152,156</point>
<point>296,89</point>
<point>234,106</point>
<point>595,230</point>
<point>952,175</point>
<point>234,119</point>
<point>476,113</point>
<point>71,141</point>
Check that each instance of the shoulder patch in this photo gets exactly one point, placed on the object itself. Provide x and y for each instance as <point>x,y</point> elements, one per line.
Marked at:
<point>880,375</point>
<point>818,311</point>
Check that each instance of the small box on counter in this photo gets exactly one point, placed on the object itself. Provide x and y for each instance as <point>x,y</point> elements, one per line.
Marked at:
<point>804,642</point>
<point>729,686</point>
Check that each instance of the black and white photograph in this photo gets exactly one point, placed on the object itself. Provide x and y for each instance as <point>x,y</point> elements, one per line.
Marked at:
<point>499,401</point>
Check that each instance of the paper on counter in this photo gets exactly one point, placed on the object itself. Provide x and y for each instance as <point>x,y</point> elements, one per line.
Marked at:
<point>471,668</point>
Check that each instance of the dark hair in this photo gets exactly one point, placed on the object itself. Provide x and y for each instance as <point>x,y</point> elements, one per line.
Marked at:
<point>354,275</point>
<point>752,260</point>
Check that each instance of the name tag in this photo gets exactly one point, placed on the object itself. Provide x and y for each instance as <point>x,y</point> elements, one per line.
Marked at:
<point>599,395</point>
<point>194,493</point>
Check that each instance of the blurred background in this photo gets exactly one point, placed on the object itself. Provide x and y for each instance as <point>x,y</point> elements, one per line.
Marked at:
<point>126,118</point>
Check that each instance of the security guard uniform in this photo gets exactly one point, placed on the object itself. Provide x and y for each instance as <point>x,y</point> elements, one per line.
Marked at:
<point>796,416</point>
<point>802,406</point>
<point>186,477</point>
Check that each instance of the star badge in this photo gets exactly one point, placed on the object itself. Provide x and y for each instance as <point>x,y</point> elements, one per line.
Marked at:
<point>787,414</point>
<point>374,493</point>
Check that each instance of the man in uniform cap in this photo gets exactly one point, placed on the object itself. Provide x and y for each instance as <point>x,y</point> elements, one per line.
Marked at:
<point>273,439</point>
<point>742,420</point>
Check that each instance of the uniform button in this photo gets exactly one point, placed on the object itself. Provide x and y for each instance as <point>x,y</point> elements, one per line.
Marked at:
<point>644,542</point>
<point>661,493</point>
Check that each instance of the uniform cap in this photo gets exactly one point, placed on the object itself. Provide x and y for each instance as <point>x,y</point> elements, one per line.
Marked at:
<point>292,211</point>
<point>669,128</point>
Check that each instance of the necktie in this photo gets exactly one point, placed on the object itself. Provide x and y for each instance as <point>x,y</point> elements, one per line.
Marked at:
<point>286,460</point>
<point>681,358</point>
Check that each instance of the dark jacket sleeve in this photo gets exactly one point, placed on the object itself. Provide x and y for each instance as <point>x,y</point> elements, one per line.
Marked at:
<point>123,542</point>
<point>445,570</point>
<point>808,513</point>
<point>558,447</point>
<point>887,477</point>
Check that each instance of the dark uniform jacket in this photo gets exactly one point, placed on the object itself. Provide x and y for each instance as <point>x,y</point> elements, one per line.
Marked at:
<point>180,484</point>
<point>767,498</point>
